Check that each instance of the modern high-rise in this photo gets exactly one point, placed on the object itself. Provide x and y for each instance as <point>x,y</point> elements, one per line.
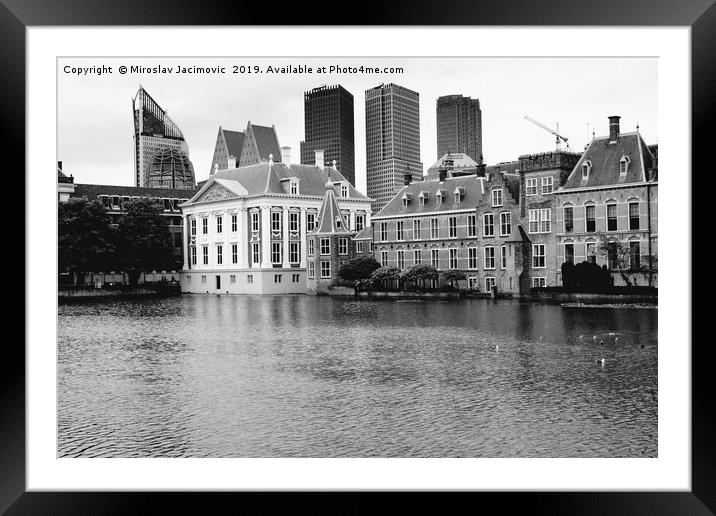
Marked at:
<point>161,154</point>
<point>459,121</point>
<point>328,125</point>
<point>392,127</point>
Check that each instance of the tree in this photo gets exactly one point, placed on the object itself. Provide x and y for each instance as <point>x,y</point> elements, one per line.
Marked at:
<point>453,276</point>
<point>419,274</point>
<point>85,240</point>
<point>358,270</point>
<point>618,256</point>
<point>145,242</point>
<point>385,274</point>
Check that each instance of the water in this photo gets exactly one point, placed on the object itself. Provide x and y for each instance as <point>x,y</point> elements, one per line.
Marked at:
<point>302,376</point>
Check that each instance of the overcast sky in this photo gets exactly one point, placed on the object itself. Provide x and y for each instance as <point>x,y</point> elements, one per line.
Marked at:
<point>95,118</point>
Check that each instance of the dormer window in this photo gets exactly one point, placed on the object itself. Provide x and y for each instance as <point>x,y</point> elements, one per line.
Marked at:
<point>407,197</point>
<point>586,168</point>
<point>439,196</point>
<point>422,197</point>
<point>293,187</point>
<point>459,193</point>
<point>624,165</point>
<point>339,222</point>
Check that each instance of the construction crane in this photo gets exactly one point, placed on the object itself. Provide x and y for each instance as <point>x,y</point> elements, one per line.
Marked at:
<point>559,138</point>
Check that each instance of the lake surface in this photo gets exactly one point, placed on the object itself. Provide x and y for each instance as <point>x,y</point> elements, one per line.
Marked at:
<point>303,376</point>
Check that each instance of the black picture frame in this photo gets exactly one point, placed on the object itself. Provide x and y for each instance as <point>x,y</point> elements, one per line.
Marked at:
<point>700,15</point>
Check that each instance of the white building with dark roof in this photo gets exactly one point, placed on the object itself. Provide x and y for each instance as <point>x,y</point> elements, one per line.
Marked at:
<point>246,227</point>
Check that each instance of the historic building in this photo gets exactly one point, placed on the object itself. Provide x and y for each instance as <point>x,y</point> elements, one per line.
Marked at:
<point>459,126</point>
<point>65,184</point>
<point>227,150</point>
<point>392,127</point>
<point>607,210</point>
<point>161,154</point>
<point>246,228</point>
<point>328,126</point>
<point>234,149</point>
<point>455,164</point>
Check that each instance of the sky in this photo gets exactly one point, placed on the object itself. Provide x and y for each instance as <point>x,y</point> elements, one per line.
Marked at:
<point>95,118</point>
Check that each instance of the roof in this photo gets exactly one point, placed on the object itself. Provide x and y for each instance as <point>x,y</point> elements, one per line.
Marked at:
<point>605,158</point>
<point>518,234</point>
<point>234,142</point>
<point>330,219</point>
<point>460,160</point>
<point>93,191</point>
<point>364,234</point>
<point>266,142</point>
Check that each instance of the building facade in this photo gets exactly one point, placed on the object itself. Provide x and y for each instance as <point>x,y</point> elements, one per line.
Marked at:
<point>607,210</point>
<point>459,126</point>
<point>161,154</point>
<point>392,121</point>
<point>246,228</point>
<point>65,184</point>
<point>328,126</point>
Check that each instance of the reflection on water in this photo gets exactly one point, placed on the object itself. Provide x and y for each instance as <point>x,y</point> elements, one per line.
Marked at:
<point>302,376</point>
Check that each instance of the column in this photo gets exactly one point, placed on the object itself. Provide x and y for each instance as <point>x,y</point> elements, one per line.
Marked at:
<point>242,238</point>
<point>185,242</point>
<point>302,238</point>
<point>284,243</point>
<point>352,221</point>
<point>266,237</point>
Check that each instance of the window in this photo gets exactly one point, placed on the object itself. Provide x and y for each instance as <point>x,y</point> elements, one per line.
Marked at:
<point>188,279</point>
<point>276,252</point>
<point>489,283</point>
<point>421,199</point>
<point>293,187</point>
<point>277,278</point>
<point>452,227</point>
<point>177,239</point>
<point>497,197</point>
<point>452,262</point>
<point>234,223</point>
<point>569,253</point>
<point>471,225</point>
<point>488,225</point>
<point>206,254</point>
<point>591,252</point>
<point>295,278</point>
<point>250,278</point>
<point>586,168</point>
<point>325,246</point>
<point>255,224</point>
<point>547,185</point>
<point>416,229</point>
<point>383,231</point>
<point>219,254</point>
<point>344,190</point>
<point>489,257</point>
<point>611,217</point>
<point>472,282</point>
<point>294,252</point>
<point>435,258</point>
<point>360,222</point>
<point>417,256</point>
<point>612,255</point>
<point>359,247</point>
<point>293,221</point>
<point>311,270</point>
<point>192,227</point>
<point>438,197</point>
<point>545,221</point>
<point>205,226</point>
<point>405,201</point>
<point>531,186</point>
<point>255,253</point>
<point>434,228</point>
<point>192,253</point>
<point>342,246</point>
<point>538,256</point>
<point>539,282</point>
<point>325,269</point>
<point>472,257</point>
<point>590,219</point>
<point>399,230</point>
<point>234,253</point>
<point>505,223</point>
<point>276,221</point>
<point>232,278</point>
<point>568,219</point>
<point>634,215</point>
<point>310,221</point>
<point>383,258</point>
<point>503,257</point>
<point>401,259</point>
<point>203,279</point>
<point>634,255</point>
<point>311,247</point>
<point>624,165</point>
<point>219,225</point>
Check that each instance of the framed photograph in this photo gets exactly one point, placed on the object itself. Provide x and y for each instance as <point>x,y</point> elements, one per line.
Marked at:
<point>390,257</point>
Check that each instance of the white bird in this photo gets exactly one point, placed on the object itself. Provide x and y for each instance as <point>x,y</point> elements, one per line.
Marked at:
<point>600,361</point>
<point>497,348</point>
<point>616,339</point>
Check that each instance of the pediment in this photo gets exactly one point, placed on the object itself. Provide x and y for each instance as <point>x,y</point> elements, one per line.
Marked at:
<point>216,192</point>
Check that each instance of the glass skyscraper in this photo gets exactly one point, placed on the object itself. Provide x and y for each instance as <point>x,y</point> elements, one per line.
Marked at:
<point>459,121</point>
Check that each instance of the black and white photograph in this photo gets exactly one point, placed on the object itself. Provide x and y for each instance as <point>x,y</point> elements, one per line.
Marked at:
<point>357,257</point>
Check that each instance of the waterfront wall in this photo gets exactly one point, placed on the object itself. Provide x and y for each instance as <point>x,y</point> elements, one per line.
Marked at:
<point>66,294</point>
<point>581,297</point>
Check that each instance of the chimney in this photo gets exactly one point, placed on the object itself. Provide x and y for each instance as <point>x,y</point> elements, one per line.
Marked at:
<point>408,176</point>
<point>442,174</point>
<point>286,155</point>
<point>232,162</point>
<point>613,128</point>
<point>319,158</point>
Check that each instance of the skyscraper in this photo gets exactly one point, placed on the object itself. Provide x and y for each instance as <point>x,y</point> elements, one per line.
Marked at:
<point>328,125</point>
<point>161,154</point>
<point>459,121</point>
<point>392,127</point>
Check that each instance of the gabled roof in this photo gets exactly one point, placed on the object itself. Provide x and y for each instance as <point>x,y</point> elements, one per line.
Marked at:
<point>234,142</point>
<point>266,142</point>
<point>605,157</point>
<point>329,216</point>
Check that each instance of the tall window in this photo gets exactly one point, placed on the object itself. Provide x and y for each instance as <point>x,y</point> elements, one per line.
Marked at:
<point>538,258</point>
<point>255,253</point>
<point>611,217</point>
<point>545,223</point>
<point>568,219</point>
<point>417,256</point>
<point>547,185</point>
<point>472,257</point>
<point>590,249</point>
<point>590,218</point>
<point>293,187</point>
<point>503,257</point>
<point>234,253</point>
<point>276,252</point>
<point>234,223</point>
<point>325,246</point>
<point>434,228</point>
<point>219,224</point>
<point>255,221</point>
<point>311,270</point>
<point>489,283</point>
<point>452,258</point>
<point>360,222</point>
<point>311,247</point>
<point>383,258</point>
<point>569,253</point>
<point>205,226</point>
<point>531,186</point>
<point>488,225</point>
<point>359,247</point>
<point>192,251</point>
<point>342,246</point>
<point>489,257</point>
<point>634,255</point>
<point>325,269</point>
<point>344,190</point>
<point>497,197</point>
<point>293,221</point>
<point>452,226</point>
<point>205,250</point>
<point>612,255</point>
<point>310,221</point>
<point>219,254</point>
<point>399,230</point>
<point>435,258</point>
<point>192,227</point>
<point>416,229</point>
<point>383,231</point>
<point>471,225</point>
<point>276,221</point>
<point>294,252</point>
<point>505,223</point>
<point>401,259</point>
<point>633,215</point>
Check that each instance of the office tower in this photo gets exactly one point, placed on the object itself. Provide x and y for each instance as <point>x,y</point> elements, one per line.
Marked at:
<point>161,154</point>
<point>328,125</point>
<point>459,121</point>
<point>392,126</point>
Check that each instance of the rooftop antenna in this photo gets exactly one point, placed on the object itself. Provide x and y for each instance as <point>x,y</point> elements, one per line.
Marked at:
<point>558,137</point>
